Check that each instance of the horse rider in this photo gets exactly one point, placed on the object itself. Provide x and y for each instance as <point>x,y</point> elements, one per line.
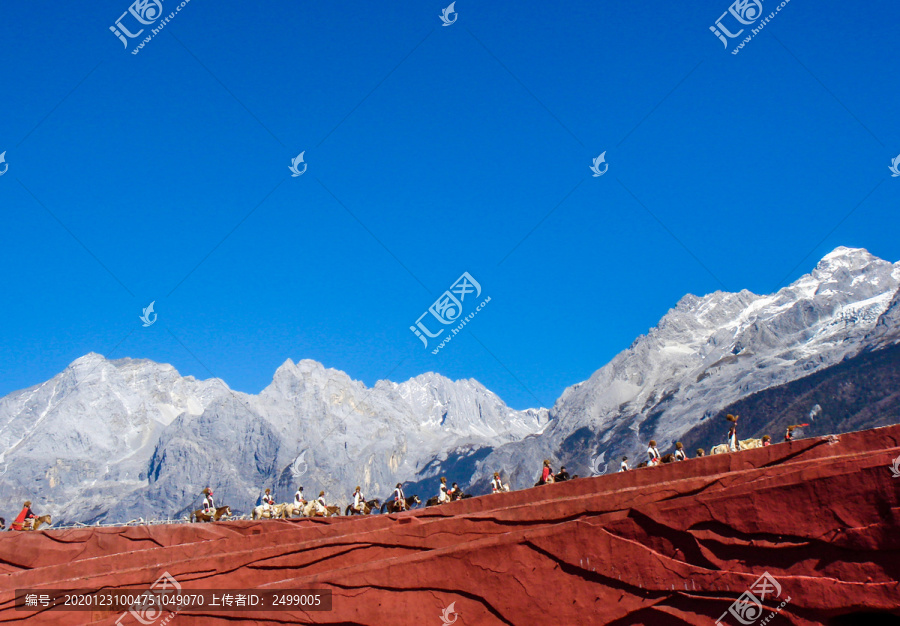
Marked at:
<point>399,498</point>
<point>624,466</point>
<point>701,452</point>
<point>679,452</point>
<point>789,433</point>
<point>209,505</point>
<point>298,497</point>
<point>25,519</point>
<point>766,440</point>
<point>321,507</point>
<point>653,452</point>
<point>443,495</point>
<point>562,475</point>
<point>267,500</point>
<point>359,500</point>
<point>497,485</point>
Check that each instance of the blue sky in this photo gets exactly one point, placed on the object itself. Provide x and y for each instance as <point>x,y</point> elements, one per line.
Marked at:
<point>431,151</point>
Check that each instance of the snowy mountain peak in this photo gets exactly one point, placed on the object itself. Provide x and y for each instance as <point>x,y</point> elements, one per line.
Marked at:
<point>851,259</point>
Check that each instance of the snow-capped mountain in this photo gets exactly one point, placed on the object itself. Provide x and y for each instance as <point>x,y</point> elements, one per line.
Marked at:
<point>115,440</point>
<point>132,438</point>
<point>707,353</point>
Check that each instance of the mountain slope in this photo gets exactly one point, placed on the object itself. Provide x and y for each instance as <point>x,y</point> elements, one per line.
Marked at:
<point>706,354</point>
<point>115,440</point>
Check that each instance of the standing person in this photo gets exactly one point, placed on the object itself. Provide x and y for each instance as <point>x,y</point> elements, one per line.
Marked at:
<point>209,506</point>
<point>653,453</point>
<point>443,495</point>
<point>497,485</point>
<point>624,466</point>
<point>546,473</point>
<point>399,498</point>
<point>732,432</point>
<point>679,452</point>
<point>24,519</point>
<point>358,500</point>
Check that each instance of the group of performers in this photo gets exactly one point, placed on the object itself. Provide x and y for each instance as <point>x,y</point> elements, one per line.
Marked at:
<point>25,519</point>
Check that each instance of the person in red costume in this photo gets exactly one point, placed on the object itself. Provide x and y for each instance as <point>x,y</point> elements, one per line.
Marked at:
<point>24,518</point>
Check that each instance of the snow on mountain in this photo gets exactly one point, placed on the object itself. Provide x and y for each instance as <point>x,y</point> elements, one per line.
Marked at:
<point>116,440</point>
<point>132,438</point>
<point>706,353</point>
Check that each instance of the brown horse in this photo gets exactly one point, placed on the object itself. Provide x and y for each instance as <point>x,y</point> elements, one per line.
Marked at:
<point>203,516</point>
<point>393,507</point>
<point>367,508</point>
<point>37,522</point>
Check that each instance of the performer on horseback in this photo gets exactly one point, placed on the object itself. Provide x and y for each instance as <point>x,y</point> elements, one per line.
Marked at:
<point>208,504</point>
<point>25,519</point>
<point>789,433</point>
<point>268,501</point>
<point>321,507</point>
<point>497,485</point>
<point>443,495</point>
<point>562,475</point>
<point>358,500</point>
<point>679,452</point>
<point>701,452</point>
<point>399,498</point>
<point>299,500</point>
<point>624,466</point>
<point>767,441</point>
<point>653,452</point>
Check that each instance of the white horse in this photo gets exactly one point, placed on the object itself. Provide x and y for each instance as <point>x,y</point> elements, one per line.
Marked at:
<point>746,444</point>
<point>270,512</point>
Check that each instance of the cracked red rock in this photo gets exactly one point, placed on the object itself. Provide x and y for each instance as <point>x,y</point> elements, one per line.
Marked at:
<point>675,544</point>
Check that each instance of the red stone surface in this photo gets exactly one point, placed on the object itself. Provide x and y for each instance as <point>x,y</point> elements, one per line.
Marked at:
<point>675,544</point>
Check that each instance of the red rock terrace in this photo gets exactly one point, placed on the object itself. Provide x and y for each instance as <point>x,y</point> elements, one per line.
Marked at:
<point>676,544</point>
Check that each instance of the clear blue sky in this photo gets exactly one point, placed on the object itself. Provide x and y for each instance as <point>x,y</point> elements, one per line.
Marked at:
<point>431,151</point>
